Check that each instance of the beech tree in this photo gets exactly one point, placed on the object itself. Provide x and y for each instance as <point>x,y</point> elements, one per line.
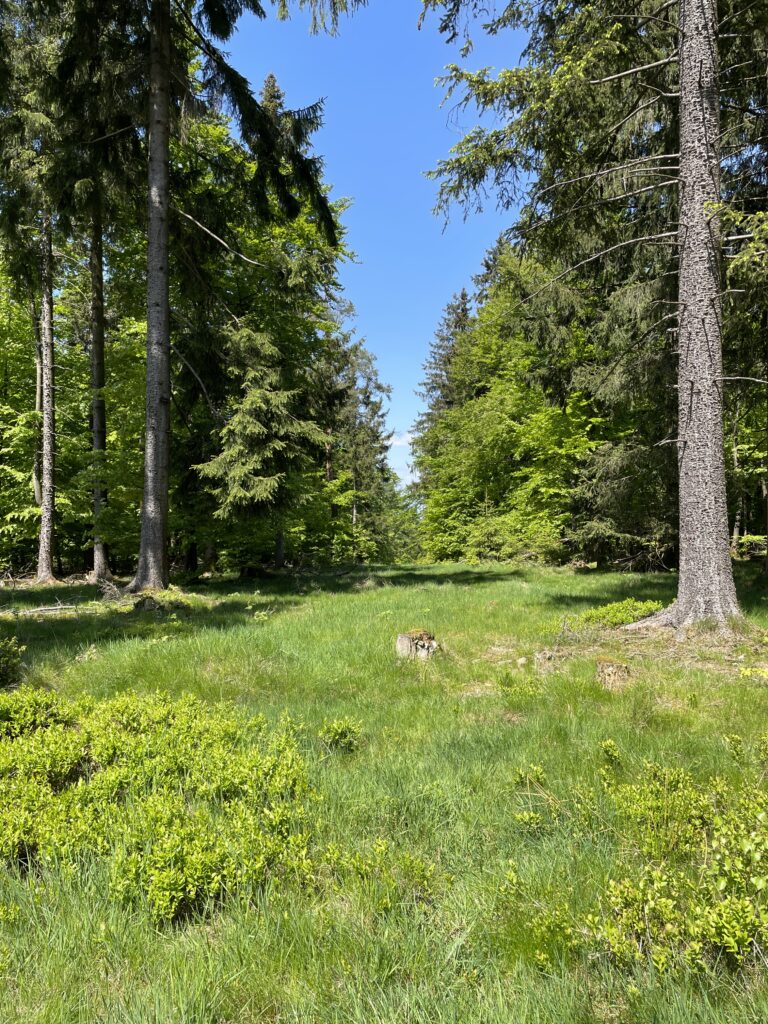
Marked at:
<point>611,133</point>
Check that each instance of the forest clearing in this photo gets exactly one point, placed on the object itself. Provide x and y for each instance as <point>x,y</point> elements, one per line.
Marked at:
<point>464,817</point>
<point>363,663</point>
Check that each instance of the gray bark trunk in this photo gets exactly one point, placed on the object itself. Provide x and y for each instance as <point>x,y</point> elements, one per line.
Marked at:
<point>98,379</point>
<point>280,549</point>
<point>765,478</point>
<point>37,485</point>
<point>739,513</point>
<point>706,588</point>
<point>152,571</point>
<point>47,391</point>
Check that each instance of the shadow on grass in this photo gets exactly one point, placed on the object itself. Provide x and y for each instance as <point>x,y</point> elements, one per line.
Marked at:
<point>231,602</point>
<point>227,602</point>
<point>94,623</point>
<point>607,587</point>
<point>343,581</point>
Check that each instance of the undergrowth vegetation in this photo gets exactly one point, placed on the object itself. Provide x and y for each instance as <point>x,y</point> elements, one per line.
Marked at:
<point>187,802</point>
<point>254,811</point>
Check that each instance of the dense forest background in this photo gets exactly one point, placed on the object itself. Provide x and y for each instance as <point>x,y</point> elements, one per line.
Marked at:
<point>551,422</point>
<point>278,436</point>
<point>550,408</point>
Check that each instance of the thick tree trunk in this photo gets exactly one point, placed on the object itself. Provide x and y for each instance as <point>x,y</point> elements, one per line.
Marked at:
<point>152,571</point>
<point>706,589</point>
<point>47,390</point>
<point>98,406</point>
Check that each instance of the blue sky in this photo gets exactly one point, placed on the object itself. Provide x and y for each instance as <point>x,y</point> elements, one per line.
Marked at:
<point>384,127</point>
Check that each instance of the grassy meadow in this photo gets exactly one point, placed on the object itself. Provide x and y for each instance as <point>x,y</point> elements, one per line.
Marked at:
<point>457,852</point>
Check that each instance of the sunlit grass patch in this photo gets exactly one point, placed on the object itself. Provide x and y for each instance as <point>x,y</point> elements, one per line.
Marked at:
<point>455,848</point>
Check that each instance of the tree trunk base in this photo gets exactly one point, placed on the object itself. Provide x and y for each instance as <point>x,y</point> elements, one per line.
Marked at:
<point>138,586</point>
<point>718,613</point>
<point>99,576</point>
<point>46,580</point>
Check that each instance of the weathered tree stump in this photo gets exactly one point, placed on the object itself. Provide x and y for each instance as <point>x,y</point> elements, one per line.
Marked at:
<point>612,675</point>
<point>418,643</point>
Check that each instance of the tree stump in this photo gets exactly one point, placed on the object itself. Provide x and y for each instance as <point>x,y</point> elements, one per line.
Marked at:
<point>612,675</point>
<point>418,643</point>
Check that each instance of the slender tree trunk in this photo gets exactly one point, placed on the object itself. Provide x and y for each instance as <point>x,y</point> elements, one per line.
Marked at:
<point>280,548</point>
<point>329,474</point>
<point>328,457</point>
<point>98,379</point>
<point>209,557</point>
<point>738,517</point>
<point>765,478</point>
<point>706,588</point>
<point>47,378</point>
<point>190,558</point>
<point>37,468</point>
<point>152,571</point>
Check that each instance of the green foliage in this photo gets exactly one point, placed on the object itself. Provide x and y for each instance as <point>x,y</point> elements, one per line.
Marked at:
<point>499,458</point>
<point>10,661</point>
<point>710,905</point>
<point>342,735</point>
<point>533,775</point>
<point>390,879</point>
<point>185,802</point>
<point>619,613</point>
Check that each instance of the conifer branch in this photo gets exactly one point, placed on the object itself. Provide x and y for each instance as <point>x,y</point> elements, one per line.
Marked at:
<point>633,347</point>
<point>636,70</point>
<point>216,238</point>
<point>631,165</point>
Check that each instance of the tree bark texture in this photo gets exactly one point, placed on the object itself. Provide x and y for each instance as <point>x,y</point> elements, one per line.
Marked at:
<point>98,380</point>
<point>706,588</point>
<point>152,571</point>
<point>37,485</point>
<point>47,394</point>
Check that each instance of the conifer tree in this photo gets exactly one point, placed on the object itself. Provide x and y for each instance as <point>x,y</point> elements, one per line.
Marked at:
<point>28,135</point>
<point>614,111</point>
<point>280,164</point>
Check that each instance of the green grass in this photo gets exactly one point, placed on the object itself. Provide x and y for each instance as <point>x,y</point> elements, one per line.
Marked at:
<point>435,776</point>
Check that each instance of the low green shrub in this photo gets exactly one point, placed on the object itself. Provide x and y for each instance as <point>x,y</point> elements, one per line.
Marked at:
<point>698,893</point>
<point>187,801</point>
<point>712,909</point>
<point>533,775</point>
<point>342,734</point>
<point>619,613</point>
<point>691,891</point>
<point>388,878</point>
<point>10,661</point>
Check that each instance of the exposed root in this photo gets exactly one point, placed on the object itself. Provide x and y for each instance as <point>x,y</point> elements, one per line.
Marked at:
<point>720,619</point>
<point>665,618</point>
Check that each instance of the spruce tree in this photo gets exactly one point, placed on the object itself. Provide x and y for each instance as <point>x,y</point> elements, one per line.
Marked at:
<point>28,141</point>
<point>613,118</point>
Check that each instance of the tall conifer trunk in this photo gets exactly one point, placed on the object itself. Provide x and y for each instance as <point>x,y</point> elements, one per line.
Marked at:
<point>47,393</point>
<point>37,485</point>
<point>98,379</point>
<point>706,588</point>
<point>152,571</point>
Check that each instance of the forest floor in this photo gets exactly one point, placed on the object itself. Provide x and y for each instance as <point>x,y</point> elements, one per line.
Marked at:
<point>477,866</point>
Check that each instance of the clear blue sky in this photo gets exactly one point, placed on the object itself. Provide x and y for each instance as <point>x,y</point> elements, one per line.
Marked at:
<point>384,127</point>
